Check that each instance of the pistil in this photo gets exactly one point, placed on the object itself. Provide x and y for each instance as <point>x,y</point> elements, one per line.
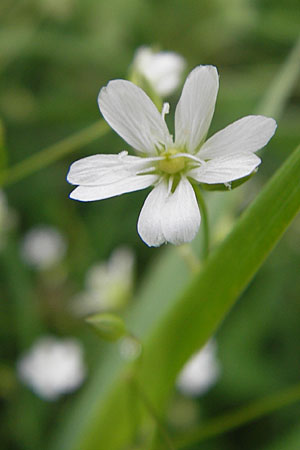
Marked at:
<point>170,164</point>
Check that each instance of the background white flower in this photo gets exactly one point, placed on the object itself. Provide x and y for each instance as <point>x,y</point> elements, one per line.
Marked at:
<point>200,372</point>
<point>108,284</point>
<point>52,367</point>
<point>163,70</point>
<point>170,212</point>
<point>43,247</point>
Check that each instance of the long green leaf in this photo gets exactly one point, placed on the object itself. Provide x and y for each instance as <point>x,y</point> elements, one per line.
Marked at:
<point>173,327</point>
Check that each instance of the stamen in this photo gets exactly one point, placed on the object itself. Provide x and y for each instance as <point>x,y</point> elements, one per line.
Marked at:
<point>165,110</point>
<point>170,185</point>
<point>188,155</point>
<point>146,171</point>
<point>154,158</point>
<point>123,154</point>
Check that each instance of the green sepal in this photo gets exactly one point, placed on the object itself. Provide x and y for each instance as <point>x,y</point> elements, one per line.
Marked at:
<point>108,326</point>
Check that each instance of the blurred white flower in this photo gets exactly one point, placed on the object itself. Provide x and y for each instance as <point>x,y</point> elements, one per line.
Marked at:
<point>162,70</point>
<point>43,247</point>
<point>108,284</point>
<point>172,166</point>
<point>200,372</point>
<point>52,367</point>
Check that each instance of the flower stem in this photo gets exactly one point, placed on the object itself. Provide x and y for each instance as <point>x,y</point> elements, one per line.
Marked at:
<point>133,409</point>
<point>136,392</point>
<point>204,220</point>
<point>52,153</point>
<point>189,257</point>
<point>160,426</point>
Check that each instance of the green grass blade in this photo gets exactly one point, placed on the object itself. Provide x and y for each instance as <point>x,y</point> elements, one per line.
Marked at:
<point>278,93</point>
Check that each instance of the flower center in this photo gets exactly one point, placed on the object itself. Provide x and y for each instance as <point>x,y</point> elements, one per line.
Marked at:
<point>171,165</point>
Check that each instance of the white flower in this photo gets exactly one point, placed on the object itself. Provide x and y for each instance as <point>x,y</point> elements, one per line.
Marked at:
<point>108,284</point>
<point>43,247</point>
<point>170,212</point>
<point>162,70</point>
<point>200,372</point>
<point>52,367</point>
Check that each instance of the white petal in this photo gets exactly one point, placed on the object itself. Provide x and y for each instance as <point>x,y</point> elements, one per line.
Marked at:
<point>98,170</point>
<point>180,219</point>
<point>169,217</point>
<point>129,184</point>
<point>196,107</point>
<point>226,168</point>
<point>248,134</point>
<point>131,113</point>
<point>149,222</point>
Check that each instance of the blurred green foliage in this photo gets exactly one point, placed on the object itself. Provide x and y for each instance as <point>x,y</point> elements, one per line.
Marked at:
<point>54,57</point>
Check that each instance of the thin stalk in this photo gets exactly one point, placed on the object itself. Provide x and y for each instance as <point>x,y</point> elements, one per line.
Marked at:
<point>204,221</point>
<point>134,412</point>
<point>278,93</point>
<point>52,153</point>
<point>187,253</point>
<point>241,416</point>
<point>160,426</point>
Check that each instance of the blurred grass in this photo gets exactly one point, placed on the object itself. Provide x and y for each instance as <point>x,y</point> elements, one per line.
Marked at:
<point>54,57</point>
<point>227,422</point>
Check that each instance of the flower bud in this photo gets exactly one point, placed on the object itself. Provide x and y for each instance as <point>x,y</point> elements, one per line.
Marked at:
<point>108,326</point>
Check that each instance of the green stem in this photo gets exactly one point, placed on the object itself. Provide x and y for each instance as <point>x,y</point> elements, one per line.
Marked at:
<point>189,257</point>
<point>3,151</point>
<point>277,95</point>
<point>52,153</point>
<point>133,408</point>
<point>241,416</point>
<point>204,221</point>
<point>149,407</point>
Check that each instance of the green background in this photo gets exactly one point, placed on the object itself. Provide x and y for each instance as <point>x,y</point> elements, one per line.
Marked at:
<point>54,57</point>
